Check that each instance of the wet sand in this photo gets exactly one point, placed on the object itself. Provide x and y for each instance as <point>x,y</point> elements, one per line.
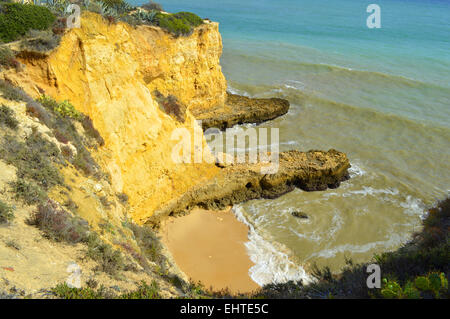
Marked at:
<point>208,246</point>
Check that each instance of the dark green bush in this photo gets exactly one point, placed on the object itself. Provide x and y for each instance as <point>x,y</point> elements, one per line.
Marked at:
<point>66,292</point>
<point>6,213</point>
<point>181,23</point>
<point>190,18</point>
<point>17,19</point>
<point>144,291</point>
<point>7,118</point>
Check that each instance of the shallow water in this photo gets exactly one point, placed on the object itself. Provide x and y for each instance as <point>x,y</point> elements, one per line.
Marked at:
<point>382,96</point>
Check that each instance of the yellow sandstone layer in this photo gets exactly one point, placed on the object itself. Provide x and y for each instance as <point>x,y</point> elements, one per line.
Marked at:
<point>109,71</point>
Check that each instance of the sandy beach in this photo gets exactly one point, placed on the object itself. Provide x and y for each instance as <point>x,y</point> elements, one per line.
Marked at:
<point>208,246</point>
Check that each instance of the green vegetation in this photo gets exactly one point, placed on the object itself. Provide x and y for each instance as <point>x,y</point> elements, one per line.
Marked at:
<point>7,118</point>
<point>12,93</point>
<point>430,286</point>
<point>60,120</point>
<point>150,245</point>
<point>63,109</point>
<point>66,292</point>
<point>181,23</point>
<point>40,41</point>
<point>34,159</point>
<point>144,291</point>
<point>17,19</point>
<point>29,192</point>
<point>59,225</point>
<point>6,213</point>
<point>7,58</point>
<point>109,259</point>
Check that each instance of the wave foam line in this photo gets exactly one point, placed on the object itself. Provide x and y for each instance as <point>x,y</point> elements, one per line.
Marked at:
<point>271,264</point>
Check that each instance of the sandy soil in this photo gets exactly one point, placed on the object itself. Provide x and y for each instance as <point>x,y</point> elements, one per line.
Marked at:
<point>208,246</point>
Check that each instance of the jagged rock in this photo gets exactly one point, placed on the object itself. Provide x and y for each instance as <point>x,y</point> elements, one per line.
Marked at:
<point>241,109</point>
<point>310,171</point>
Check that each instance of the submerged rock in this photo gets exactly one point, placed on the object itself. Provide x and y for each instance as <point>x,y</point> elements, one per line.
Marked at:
<point>299,214</point>
<point>239,110</point>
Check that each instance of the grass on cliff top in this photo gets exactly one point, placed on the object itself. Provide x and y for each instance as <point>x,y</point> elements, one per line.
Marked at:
<point>17,19</point>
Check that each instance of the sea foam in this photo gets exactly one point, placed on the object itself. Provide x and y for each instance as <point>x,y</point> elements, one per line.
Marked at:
<point>272,260</point>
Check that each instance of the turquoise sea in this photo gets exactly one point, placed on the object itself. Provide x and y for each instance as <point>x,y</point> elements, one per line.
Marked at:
<point>382,96</point>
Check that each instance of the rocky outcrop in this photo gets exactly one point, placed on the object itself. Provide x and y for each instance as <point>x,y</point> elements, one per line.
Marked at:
<point>239,110</point>
<point>310,171</point>
<point>111,71</point>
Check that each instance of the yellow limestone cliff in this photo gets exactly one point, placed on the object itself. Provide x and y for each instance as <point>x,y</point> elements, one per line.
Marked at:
<point>109,71</point>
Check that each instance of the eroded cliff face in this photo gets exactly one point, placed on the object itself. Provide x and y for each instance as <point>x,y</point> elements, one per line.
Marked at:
<point>109,71</point>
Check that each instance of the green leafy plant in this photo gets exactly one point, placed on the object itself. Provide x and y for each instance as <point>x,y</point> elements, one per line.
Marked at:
<point>433,284</point>
<point>64,108</point>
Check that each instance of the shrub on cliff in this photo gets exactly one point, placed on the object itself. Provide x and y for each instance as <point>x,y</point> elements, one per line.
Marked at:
<point>57,224</point>
<point>7,118</point>
<point>6,213</point>
<point>63,109</point>
<point>40,41</point>
<point>7,58</point>
<point>110,260</point>
<point>181,23</point>
<point>34,159</point>
<point>12,93</point>
<point>16,19</point>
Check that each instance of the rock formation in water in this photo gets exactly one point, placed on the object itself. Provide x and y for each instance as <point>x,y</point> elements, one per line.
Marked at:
<point>239,110</point>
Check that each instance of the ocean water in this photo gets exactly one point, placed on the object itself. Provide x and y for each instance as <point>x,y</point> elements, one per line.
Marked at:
<point>382,96</point>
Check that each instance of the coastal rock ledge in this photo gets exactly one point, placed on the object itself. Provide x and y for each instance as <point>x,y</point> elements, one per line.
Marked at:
<point>239,110</point>
<point>309,171</point>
